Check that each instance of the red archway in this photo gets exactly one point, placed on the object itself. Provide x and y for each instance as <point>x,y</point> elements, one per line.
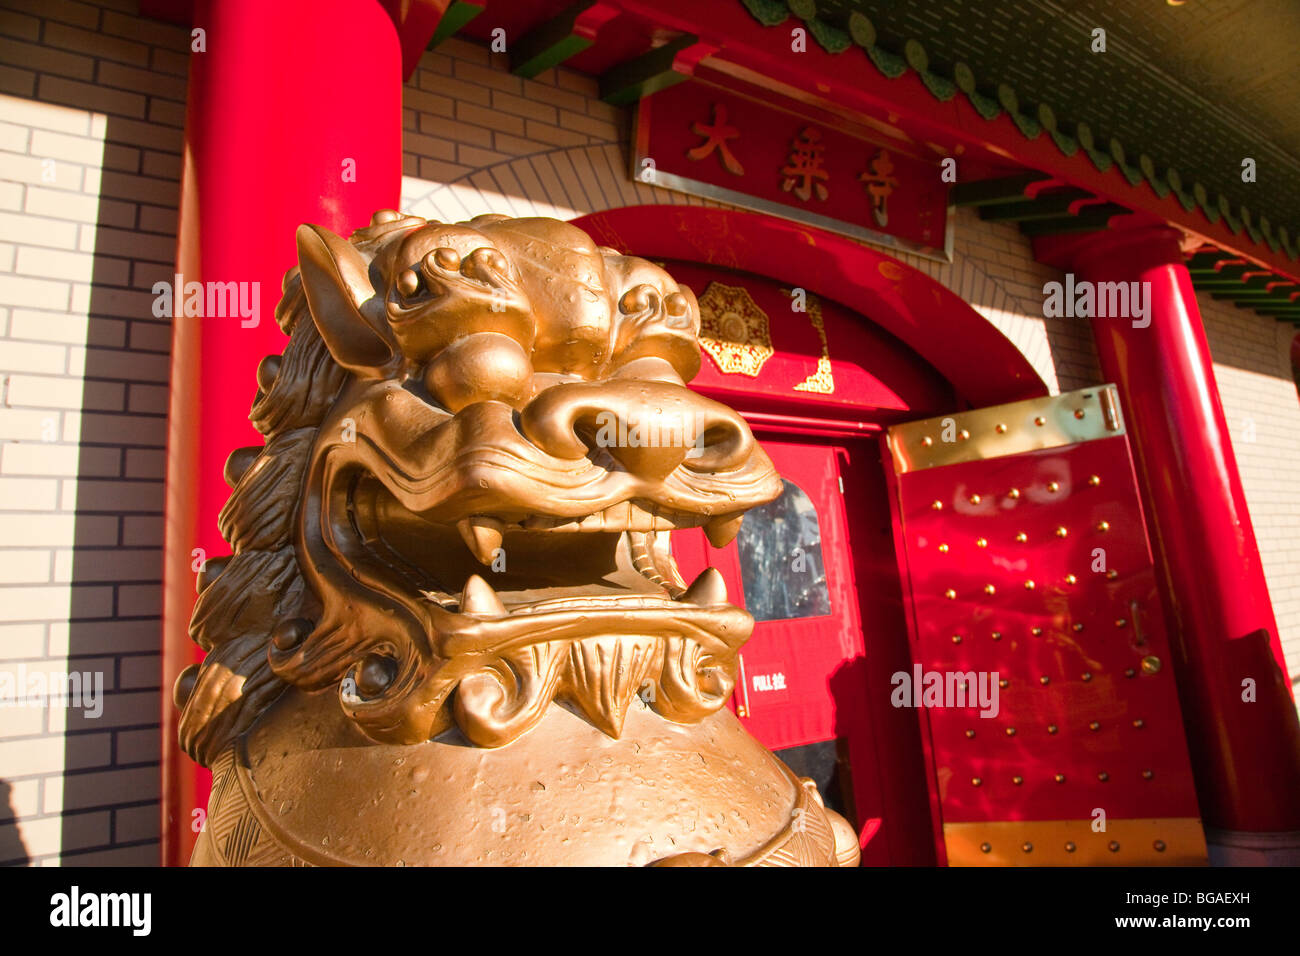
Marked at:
<point>984,367</point>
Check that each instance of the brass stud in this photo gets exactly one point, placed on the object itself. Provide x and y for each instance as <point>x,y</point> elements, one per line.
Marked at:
<point>981,542</point>
<point>1044,680</point>
<point>1113,846</point>
<point>974,499</point>
<point>1103,526</point>
<point>1017,780</point>
<point>1079,413</point>
<point>970,735</point>
<point>1061,532</point>
<point>950,594</point>
<point>943,549</point>
<point>1040,421</point>
<point>1094,480</point>
<point>1069,846</point>
<point>1011,731</point>
<point>996,635</point>
<point>1071,579</point>
<point>1029,585</point>
<point>927,441</point>
<point>936,505</point>
<point>1129,672</point>
<point>990,589</point>
<point>1013,493</point>
<point>1053,487</point>
<point>1036,631</point>
<point>1051,728</point>
<point>742,710</point>
<point>1060,778</point>
<point>1103,776</point>
<point>1094,726</point>
<point>985,847</point>
<point>1159,846</point>
<point>1078,626</point>
<point>1121,622</point>
<point>956,638</point>
<point>975,781</point>
<point>1139,723</point>
<point>963,434</point>
<point>1151,665</point>
<point>1027,847</point>
<point>1004,683</point>
<point>1000,428</point>
<point>1112,574</point>
<point>1022,537</point>
<point>1147,774</point>
<point>1085,676</point>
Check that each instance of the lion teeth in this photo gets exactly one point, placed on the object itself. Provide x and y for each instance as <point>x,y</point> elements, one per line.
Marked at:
<point>479,598</point>
<point>722,530</point>
<point>482,536</point>
<point>706,590</point>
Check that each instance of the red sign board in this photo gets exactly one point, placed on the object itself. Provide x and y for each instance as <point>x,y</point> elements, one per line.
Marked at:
<point>713,142</point>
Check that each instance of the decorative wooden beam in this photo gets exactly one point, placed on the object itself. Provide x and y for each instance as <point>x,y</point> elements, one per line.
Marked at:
<point>1050,206</point>
<point>457,15</point>
<point>986,192</point>
<point>656,70</point>
<point>1090,220</point>
<point>561,37</point>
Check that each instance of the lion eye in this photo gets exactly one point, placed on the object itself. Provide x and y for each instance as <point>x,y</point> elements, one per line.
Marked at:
<point>639,299</point>
<point>408,283</point>
<point>676,304</point>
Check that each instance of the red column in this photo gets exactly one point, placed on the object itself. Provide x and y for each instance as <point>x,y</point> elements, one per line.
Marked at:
<point>1246,754</point>
<point>286,101</point>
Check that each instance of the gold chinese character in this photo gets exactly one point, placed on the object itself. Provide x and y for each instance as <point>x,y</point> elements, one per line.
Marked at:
<point>880,184</point>
<point>804,171</point>
<point>716,137</point>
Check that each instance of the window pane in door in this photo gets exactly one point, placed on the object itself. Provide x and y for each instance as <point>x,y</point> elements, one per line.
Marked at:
<point>781,565</point>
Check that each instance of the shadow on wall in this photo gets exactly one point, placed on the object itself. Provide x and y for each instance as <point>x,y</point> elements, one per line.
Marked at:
<point>12,850</point>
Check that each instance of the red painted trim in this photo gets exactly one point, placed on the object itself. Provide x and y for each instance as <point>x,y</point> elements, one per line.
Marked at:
<point>265,143</point>
<point>929,318</point>
<point>1246,754</point>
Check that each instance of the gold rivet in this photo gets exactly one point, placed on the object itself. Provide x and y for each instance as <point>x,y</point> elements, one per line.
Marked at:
<point>1036,631</point>
<point>1159,845</point>
<point>1013,493</point>
<point>1040,421</point>
<point>1070,579</point>
<point>1103,526</point>
<point>1121,622</point>
<point>1044,680</point>
<point>1022,537</point>
<point>741,710</point>
<point>1053,487</point>
<point>1112,574</point>
<point>1151,665</point>
<point>1147,774</point>
<point>996,635</point>
<point>985,847</point>
<point>943,549</point>
<point>1000,428</point>
<point>1011,731</point>
<point>974,499</point>
<point>981,542</point>
<point>1094,726</point>
<point>1029,585</point>
<point>1060,778</point>
<point>1139,723</point>
<point>927,441</point>
<point>970,734</point>
<point>963,434</point>
<point>1051,728</point>
<point>990,589</point>
<point>1103,776</point>
<point>1078,626</point>
<point>936,505</point>
<point>1094,480</point>
<point>1004,683</point>
<point>1027,847</point>
<point>1069,846</point>
<point>950,594</point>
<point>1017,780</point>
<point>1085,676</point>
<point>975,781</point>
<point>1061,532</point>
<point>1129,672</point>
<point>1078,413</point>
<point>1114,846</point>
<point>956,638</point>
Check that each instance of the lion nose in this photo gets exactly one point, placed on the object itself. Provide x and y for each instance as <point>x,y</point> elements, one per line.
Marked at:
<point>650,428</point>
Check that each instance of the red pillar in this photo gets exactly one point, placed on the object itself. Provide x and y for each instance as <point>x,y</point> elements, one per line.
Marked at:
<point>283,96</point>
<point>1246,754</point>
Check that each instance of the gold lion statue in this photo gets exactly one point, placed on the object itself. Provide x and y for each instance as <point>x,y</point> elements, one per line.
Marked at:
<point>451,631</point>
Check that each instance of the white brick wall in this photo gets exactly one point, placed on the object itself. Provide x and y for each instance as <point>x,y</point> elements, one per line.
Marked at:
<point>92,105</point>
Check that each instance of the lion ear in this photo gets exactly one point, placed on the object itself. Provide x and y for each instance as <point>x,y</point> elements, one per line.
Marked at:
<point>336,283</point>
